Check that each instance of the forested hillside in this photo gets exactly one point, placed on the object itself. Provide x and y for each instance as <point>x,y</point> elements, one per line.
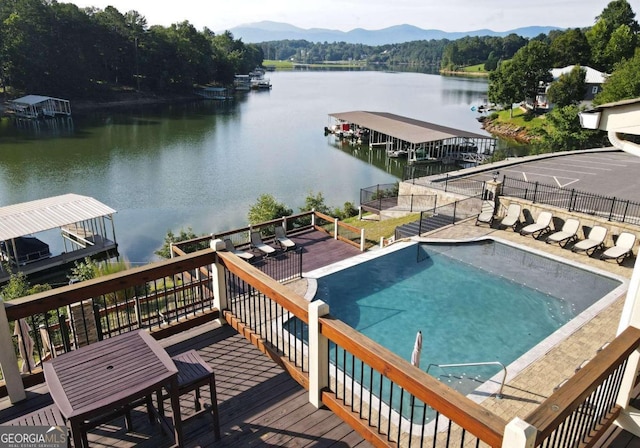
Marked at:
<point>61,50</point>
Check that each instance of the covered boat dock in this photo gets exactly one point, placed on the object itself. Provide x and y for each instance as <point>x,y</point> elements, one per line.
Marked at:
<point>419,141</point>
<point>38,106</point>
<point>84,227</point>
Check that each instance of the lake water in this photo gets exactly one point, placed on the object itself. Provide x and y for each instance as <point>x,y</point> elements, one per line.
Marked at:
<point>202,165</point>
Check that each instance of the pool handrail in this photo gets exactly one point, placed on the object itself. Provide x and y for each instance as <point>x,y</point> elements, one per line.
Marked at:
<point>469,364</point>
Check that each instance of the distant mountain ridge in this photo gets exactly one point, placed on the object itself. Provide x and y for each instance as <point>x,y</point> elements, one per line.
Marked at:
<point>272,31</point>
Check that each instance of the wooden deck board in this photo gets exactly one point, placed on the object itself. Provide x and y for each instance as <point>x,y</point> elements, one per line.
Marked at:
<point>259,404</point>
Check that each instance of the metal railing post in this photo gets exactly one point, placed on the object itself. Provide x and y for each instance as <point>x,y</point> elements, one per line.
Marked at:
<point>613,205</point>
<point>535,192</point>
<point>411,203</point>
<point>9,360</point>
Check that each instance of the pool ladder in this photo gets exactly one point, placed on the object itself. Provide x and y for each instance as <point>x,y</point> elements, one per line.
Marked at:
<point>470,364</point>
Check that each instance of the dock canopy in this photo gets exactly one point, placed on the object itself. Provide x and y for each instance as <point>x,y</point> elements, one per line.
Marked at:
<point>38,106</point>
<point>403,128</point>
<point>418,140</point>
<point>49,213</point>
<point>83,226</point>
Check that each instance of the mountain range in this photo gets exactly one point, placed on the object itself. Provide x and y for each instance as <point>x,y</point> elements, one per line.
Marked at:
<point>267,31</point>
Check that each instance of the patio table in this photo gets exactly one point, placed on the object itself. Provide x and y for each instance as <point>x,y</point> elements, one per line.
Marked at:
<point>106,376</point>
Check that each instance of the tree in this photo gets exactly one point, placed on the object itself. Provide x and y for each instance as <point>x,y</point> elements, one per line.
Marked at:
<point>614,35</point>
<point>569,88</point>
<point>267,209</point>
<point>623,83</point>
<point>315,202</point>
<point>533,67</point>
<point>184,235</point>
<point>504,86</point>
<point>570,48</point>
<point>19,286</point>
<point>564,131</point>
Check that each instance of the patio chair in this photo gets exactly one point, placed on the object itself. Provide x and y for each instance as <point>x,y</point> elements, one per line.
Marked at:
<point>487,213</point>
<point>622,249</point>
<point>240,253</point>
<point>512,218</point>
<point>593,242</point>
<point>282,239</point>
<point>542,225</point>
<point>568,233</point>
<point>256,241</point>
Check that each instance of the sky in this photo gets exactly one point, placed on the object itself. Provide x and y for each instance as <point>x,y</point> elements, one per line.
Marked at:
<point>345,15</point>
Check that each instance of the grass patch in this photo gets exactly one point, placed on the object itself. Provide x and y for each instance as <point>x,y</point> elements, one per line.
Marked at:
<point>534,124</point>
<point>374,229</point>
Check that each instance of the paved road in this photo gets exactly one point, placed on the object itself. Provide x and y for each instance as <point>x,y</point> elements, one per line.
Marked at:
<point>613,174</point>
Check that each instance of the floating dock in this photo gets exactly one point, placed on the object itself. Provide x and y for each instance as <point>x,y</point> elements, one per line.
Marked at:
<point>417,140</point>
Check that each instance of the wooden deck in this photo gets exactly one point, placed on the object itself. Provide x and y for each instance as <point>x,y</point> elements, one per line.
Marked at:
<point>259,403</point>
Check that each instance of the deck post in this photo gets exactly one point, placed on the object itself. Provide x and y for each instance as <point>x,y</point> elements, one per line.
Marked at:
<point>9,360</point>
<point>629,418</point>
<point>318,353</point>
<point>519,434</point>
<point>362,248</point>
<point>335,228</point>
<point>218,281</point>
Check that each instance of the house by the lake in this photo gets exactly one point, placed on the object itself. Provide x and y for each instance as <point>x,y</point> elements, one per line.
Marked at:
<point>593,85</point>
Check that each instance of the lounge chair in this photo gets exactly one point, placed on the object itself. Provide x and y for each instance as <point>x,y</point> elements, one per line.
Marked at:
<point>542,225</point>
<point>487,213</point>
<point>282,239</point>
<point>622,249</point>
<point>568,233</point>
<point>512,218</point>
<point>593,242</point>
<point>240,253</point>
<point>256,241</point>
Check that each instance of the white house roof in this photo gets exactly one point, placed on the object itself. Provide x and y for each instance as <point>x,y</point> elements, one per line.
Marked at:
<point>49,213</point>
<point>593,76</point>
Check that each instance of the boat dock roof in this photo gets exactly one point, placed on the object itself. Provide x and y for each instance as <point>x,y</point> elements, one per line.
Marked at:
<point>49,213</point>
<point>403,128</point>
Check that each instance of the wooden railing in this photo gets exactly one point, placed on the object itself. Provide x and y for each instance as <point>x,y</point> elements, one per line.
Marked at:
<point>389,401</point>
<point>585,406</point>
<point>384,397</point>
<point>165,298</point>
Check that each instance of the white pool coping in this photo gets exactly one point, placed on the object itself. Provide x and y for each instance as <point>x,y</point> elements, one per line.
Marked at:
<point>492,386</point>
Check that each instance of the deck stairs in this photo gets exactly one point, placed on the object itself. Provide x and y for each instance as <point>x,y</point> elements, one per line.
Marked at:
<point>425,224</point>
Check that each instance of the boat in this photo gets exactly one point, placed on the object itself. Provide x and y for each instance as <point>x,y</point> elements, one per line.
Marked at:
<point>258,81</point>
<point>242,83</point>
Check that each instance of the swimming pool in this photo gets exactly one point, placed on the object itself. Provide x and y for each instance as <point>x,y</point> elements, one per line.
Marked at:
<point>474,301</point>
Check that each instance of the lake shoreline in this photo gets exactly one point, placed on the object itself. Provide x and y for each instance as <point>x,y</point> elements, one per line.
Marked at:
<point>133,99</point>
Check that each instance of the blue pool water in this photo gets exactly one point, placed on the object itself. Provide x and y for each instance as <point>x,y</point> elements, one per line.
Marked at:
<point>473,302</point>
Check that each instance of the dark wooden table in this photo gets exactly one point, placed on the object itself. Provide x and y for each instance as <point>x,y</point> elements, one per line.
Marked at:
<point>105,376</point>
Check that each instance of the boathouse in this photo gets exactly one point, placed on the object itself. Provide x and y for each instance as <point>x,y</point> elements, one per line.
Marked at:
<point>37,106</point>
<point>85,224</point>
<point>419,141</point>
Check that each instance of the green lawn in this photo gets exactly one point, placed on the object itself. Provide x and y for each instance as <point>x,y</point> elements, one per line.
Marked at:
<point>374,229</point>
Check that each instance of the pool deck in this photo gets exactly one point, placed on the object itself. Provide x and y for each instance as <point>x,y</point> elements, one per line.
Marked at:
<point>536,382</point>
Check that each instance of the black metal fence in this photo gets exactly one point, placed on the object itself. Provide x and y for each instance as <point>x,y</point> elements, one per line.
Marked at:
<point>385,197</point>
<point>283,266</point>
<point>417,175</point>
<point>612,209</point>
